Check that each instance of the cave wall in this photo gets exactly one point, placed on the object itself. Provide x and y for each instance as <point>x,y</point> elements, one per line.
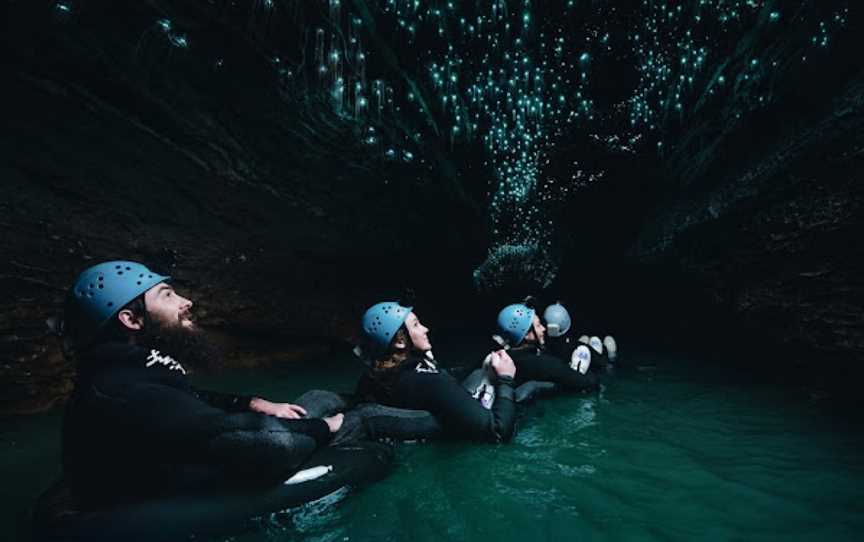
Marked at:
<point>218,164</point>
<point>766,238</point>
<point>740,237</point>
<point>264,205</point>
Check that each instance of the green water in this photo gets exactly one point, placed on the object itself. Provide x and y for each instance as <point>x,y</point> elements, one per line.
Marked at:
<point>669,450</point>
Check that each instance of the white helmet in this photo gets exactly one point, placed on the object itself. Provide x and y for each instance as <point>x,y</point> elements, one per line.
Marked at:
<point>557,320</point>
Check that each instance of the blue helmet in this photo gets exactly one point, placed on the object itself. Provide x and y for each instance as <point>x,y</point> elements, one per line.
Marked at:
<point>382,320</point>
<point>514,321</point>
<point>101,291</point>
<point>557,320</point>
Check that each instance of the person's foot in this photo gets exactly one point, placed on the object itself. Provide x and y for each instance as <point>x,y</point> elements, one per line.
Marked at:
<point>596,344</point>
<point>580,360</point>
<point>611,347</point>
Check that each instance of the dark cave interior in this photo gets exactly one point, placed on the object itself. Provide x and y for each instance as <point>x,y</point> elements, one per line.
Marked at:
<point>713,204</point>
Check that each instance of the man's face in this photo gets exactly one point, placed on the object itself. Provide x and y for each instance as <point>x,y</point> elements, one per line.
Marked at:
<point>172,331</point>
<point>537,333</point>
<point>168,308</point>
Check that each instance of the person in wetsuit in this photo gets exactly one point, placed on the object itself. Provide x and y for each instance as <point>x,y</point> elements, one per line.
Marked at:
<point>520,329</point>
<point>561,342</point>
<point>135,426</point>
<point>404,374</point>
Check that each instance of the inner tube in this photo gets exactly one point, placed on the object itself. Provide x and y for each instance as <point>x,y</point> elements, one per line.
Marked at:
<point>534,389</point>
<point>219,511</point>
<point>370,421</point>
<point>477,383</point>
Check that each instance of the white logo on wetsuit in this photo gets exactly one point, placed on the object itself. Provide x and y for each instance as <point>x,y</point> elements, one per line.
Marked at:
<point>485,393</point>
<point>426,366</point>
<point>155,357</point>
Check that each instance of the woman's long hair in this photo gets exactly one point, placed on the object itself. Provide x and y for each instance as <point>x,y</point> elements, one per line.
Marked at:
<point>394,357</point>
<point>383,369</point>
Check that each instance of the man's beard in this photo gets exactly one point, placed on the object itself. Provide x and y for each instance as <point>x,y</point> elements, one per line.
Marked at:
<point>188,345</point>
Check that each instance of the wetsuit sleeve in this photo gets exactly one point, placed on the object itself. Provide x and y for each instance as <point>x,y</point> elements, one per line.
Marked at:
<point>443,396</point>
<point>225,401</point>
<point>178,424</point>
<point>551,369</point>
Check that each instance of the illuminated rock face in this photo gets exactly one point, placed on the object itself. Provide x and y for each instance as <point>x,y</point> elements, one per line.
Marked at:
<point>527,78</point>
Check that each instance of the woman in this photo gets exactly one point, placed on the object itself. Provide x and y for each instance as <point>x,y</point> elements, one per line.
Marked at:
<point>404,374</point>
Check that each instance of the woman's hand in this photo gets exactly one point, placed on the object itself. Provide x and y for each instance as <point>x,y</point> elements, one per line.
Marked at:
<point>280,410</point>
<point>334,422</point>
<point>503,364</point>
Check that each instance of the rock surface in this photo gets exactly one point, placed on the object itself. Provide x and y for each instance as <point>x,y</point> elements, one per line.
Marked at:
<point>773,242</point>
<point>261,203</point>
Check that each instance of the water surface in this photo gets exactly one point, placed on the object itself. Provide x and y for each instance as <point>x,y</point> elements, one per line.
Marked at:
<point>670,449</point>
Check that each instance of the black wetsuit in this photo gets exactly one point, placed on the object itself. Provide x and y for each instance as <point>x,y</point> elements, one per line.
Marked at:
<point>136,427</point>
<point>563,347</point>
<point>533,366</point>
<point>419,385</point>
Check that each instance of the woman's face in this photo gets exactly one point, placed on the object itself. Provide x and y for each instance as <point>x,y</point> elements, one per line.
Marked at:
<point>418,332</point>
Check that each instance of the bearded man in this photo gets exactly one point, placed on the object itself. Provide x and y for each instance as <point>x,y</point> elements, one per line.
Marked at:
<point>135,426</point>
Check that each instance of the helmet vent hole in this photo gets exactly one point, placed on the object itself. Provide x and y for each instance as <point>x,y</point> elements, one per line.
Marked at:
<point>149,276</point>
<point>100,278</point>
<point>101,286</point>
<point>119,272</point>
<point>116,267</point>
<point>128,268</point>
<point>110,303</point>
<point>139,282</point>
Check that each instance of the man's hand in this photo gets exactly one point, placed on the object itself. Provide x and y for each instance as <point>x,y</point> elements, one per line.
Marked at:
<point>334,422</point>
<point>280,410</point>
